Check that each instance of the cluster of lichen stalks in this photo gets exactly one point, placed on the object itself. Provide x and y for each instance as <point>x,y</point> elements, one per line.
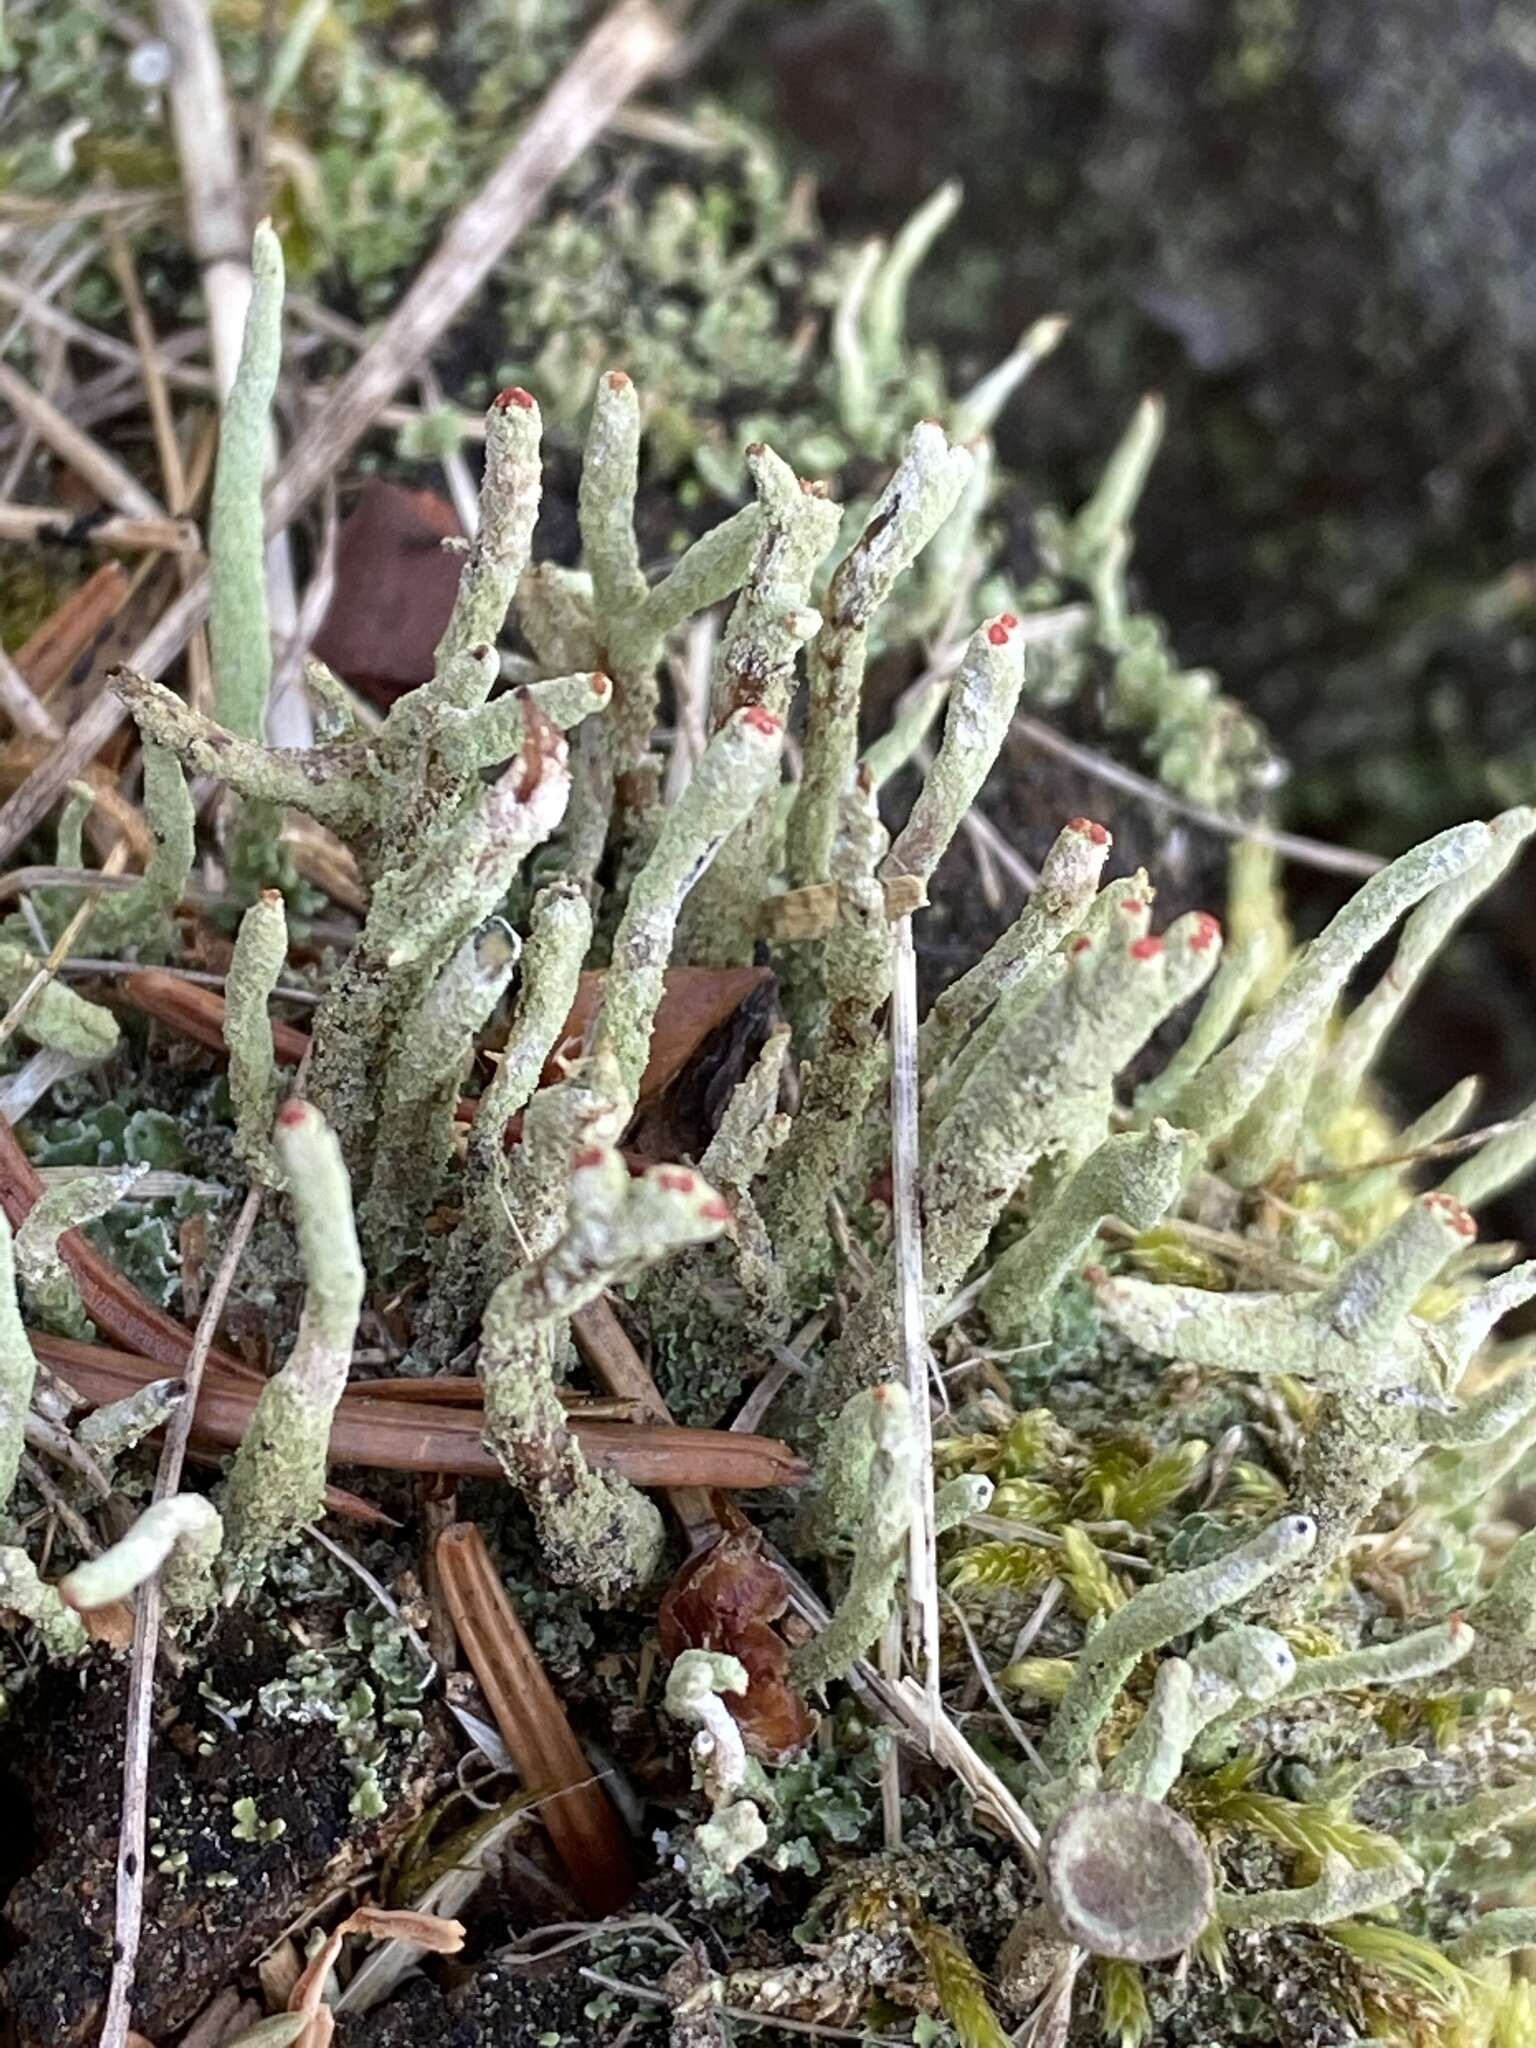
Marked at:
<point>1374,1331</point>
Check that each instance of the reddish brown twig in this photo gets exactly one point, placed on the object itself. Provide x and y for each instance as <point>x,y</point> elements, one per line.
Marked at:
<point>614,1361</point>
<point>582,1821</point>
<point>113,1305</point>
<point>695,1002</point>
<point>74,631</point>
<point>419,1436</point>
<point>198,1013</point>
<point>98,1375</point>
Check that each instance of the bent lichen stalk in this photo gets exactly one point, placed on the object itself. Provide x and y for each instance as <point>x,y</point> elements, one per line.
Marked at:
<point>596,1530</point>
<point>277,1481</point>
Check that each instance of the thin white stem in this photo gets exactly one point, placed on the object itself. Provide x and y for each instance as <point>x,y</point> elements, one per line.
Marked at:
<point>129,1917</point>
<point>922,1565</point>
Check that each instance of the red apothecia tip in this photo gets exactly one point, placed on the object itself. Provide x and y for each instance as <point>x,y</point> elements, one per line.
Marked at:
<point>1090,829</point>
<point>761,720</point>
<point>292,1111</point>
<point>1146,949</point>
<point>1083,944</point>
<point>1454,1212</point>
<point>677,1180</point>
<point>513,395</point>
<point>998,631</point>
<point>618,380</point>
<point>715,1210</point>
<point>1207,931</point>
<point>588,1156</point>
<point>600,684</point>
<point>1132,905</point>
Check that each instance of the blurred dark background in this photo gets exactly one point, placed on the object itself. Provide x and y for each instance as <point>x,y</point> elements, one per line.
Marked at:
<point>1310,224</point>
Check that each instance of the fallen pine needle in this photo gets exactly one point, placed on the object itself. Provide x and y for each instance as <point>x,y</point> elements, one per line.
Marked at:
<point>581,1819</point>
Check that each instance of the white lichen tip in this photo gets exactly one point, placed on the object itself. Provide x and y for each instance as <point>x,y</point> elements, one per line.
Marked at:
<point>181,1535</point>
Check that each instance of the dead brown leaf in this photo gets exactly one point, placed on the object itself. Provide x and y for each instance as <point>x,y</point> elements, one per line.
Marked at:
<point>727,1598</point>
<point>395,587</point>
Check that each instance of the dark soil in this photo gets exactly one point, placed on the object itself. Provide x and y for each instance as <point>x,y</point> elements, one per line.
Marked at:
<point>493,2006</point>
<point>64,1742</point>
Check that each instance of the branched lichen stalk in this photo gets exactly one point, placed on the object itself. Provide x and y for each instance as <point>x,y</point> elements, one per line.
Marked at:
<point>596,1531</point>
<point>755,665</point>
<point>910,510</point>
<point>1216,1099</point>
<point>1117,917</point>
<point>321,780</point>
<point>1231,985</point>
<point>55,1016</point>
<point>1500,1164</point>
<point>559,934</point>
<point>1485,1813</point>
<point>46,1280</point>
<point>1352,1335</point>
<point>733,775</point>
<point>22,1592</point>
<point>1136,1176</point>
<point>421,910</point>
<point>1505,1621</point>
<point>1249,1665</point>
<point>1342,1892</point>
<point>1423,1653</point>
<point>1497,1933</point>
<point>460,877</point>
<point>1386,1373</point>
<point>610,471</point>
<point>982,701</point>
<point>107,1432</point>
<point>1172,1606</point>
<point>420,1092</point>
<point>141,915</point>
<point>1069,876</point>
<point>1364,1030</point>
<point>509,505</point>
<point>1042,1092</point>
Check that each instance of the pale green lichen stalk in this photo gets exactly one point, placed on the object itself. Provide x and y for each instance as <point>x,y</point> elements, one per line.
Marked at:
<point>18,1370</point>
<point>239,634</point>
<point>723,1771</point>
<point>871,1490</point>
<point>277,1482</point>
<point>22,1592</point>
<point>256,966</point>
<point>596,1530</point>
<point>1134,1176</point>
<point>179,1538</point>
<point>54,1016</point>
<point>1173,1607</point>
<point>47,1283</point>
